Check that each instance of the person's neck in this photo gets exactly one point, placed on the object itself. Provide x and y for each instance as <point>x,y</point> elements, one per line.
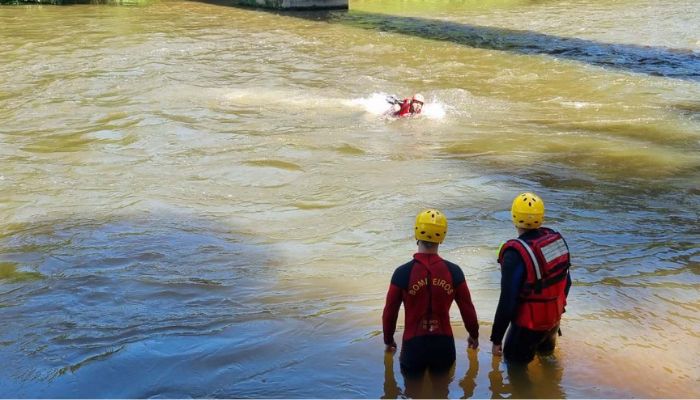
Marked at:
<point>427,250</point>
<point>522,231</point>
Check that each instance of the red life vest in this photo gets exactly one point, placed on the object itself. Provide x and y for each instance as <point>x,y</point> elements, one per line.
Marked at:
<point>543,296</point>
<point>405,108</point>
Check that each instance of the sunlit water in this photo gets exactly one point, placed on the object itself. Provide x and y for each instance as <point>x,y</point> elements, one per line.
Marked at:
<point>200,200</point>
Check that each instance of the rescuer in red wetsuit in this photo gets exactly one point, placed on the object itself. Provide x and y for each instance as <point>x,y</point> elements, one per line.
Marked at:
<point>535,282</point>
<point>426,286</point>
<point>407,107</point>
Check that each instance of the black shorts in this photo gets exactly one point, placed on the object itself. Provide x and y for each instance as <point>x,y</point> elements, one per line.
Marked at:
<point>521,344</point>
<point>436,353</point>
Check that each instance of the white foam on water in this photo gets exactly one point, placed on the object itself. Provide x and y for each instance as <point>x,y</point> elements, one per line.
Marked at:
<point>374,104</point>
<point>434,109</point>
<point>279,98</point>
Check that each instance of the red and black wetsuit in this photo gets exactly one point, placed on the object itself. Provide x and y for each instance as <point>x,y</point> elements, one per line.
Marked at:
<point>426,286</point>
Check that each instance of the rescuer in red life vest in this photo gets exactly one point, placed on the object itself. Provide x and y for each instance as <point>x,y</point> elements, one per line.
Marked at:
<point>427,286</point>
<point>535,282</point>
<point>407,107</point>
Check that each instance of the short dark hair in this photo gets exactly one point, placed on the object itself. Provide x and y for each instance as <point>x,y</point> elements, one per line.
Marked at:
<point>427,244</point>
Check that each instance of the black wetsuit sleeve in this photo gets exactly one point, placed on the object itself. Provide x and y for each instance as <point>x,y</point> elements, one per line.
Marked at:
<point>456,273</point>
<point>402,275</point>
<point>512,280</point>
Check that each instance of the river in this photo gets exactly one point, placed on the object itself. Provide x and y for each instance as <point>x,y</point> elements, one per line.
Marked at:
<point>199,200</point>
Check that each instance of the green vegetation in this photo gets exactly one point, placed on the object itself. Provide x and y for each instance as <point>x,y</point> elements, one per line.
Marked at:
<point>61,2</point>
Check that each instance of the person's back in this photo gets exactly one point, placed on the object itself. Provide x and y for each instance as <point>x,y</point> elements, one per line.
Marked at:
<point>427,286</point>
<point>535,282</point>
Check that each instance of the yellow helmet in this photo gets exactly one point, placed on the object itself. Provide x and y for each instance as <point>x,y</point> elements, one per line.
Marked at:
<point>431,226</point>
<point>527,211</point>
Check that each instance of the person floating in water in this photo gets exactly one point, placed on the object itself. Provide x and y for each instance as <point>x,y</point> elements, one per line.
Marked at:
<point>427,286</point>
<point>406,107</point>
<point>535,282</point>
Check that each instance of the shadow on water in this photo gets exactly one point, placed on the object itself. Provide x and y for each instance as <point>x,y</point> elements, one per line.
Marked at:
<point>656,61</point>
<point>132,306</point>
<point>168,305</point>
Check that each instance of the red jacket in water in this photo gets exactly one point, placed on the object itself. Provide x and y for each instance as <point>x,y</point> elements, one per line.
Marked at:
<point>427,286</point>
<point>405,110</point>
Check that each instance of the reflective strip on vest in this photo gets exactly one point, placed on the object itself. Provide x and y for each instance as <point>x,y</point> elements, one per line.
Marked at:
<point>554,250</point>
<point>533,258</point>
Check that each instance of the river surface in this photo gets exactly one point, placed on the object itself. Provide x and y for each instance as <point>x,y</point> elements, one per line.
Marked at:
<point>198,200</point>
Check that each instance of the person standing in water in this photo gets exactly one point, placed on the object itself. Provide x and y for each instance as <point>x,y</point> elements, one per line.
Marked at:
<point>427,286</point>
<point>407,107</point>
<point>535,283</point>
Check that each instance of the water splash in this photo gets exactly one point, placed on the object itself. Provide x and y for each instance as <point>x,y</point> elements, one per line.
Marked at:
<point>374,104</point>
<point>434,109</point>
<point>377,104</point>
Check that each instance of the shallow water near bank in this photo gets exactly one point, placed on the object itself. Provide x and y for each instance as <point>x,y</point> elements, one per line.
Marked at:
<point>206,201</point>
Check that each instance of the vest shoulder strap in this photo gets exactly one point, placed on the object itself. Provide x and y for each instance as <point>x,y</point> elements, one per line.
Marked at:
<point>533,259</point>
